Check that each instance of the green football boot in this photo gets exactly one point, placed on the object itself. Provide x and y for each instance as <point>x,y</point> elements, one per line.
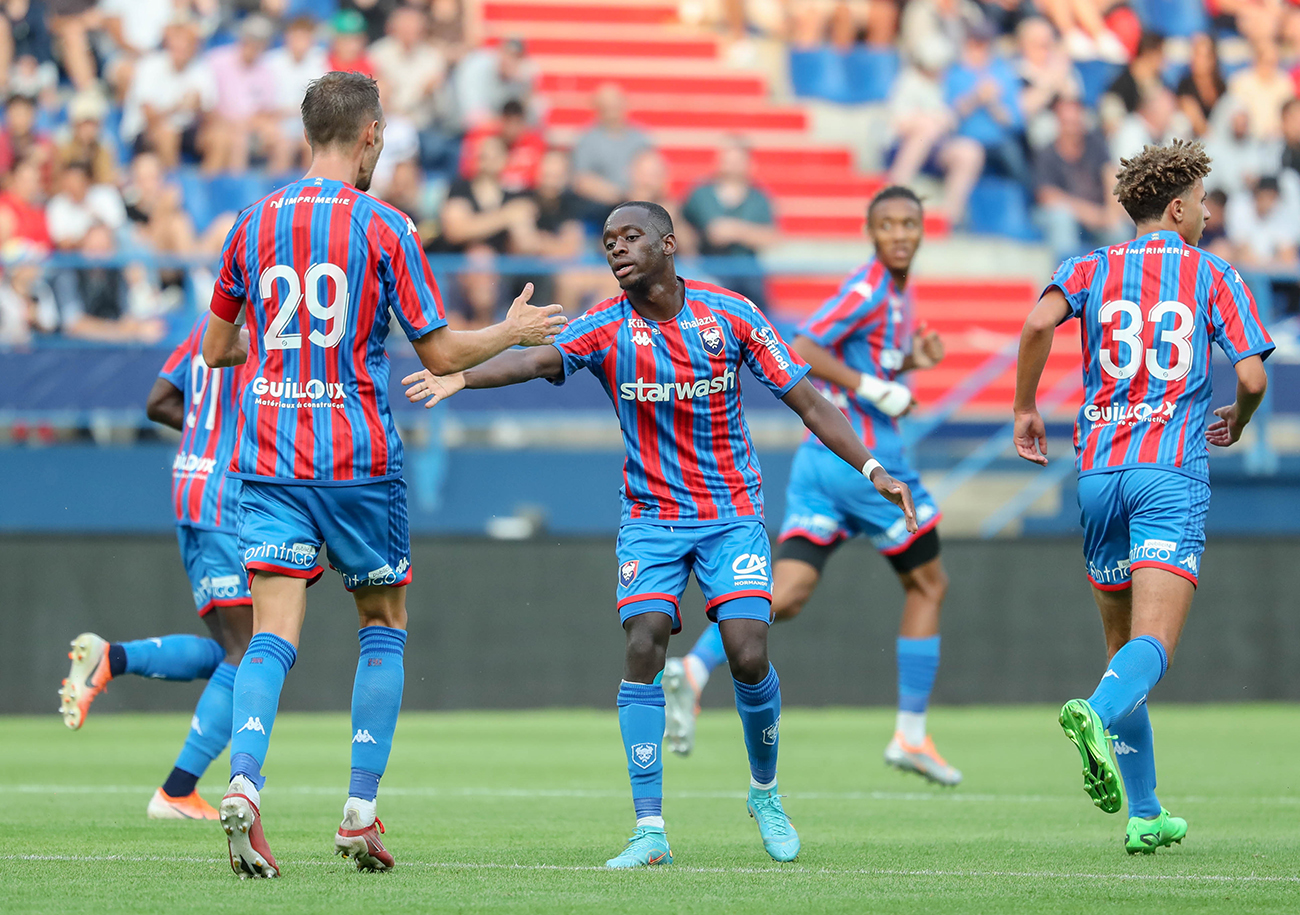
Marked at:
<point>648,846</point>
<point>1145,836</point>
<point>1100,774</point>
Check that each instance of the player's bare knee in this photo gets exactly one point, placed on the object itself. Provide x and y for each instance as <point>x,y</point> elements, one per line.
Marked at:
<point>928,581</point>
<point>381,606</point>
<point>647,646</point>
<point>748,661</point>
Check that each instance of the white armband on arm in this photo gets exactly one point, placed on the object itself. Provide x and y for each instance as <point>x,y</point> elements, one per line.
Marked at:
<point>890,397</point>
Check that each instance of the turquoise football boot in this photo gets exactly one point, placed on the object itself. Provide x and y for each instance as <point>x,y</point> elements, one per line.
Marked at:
<point>648,846</point>
<point>779,837</point>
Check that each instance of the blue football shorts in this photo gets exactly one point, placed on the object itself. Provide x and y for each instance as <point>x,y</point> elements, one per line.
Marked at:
<point>828,501</point>
<point>212,563</point>
<point>283,525</point>
<point>1141,518</point>
<point>730,559</point>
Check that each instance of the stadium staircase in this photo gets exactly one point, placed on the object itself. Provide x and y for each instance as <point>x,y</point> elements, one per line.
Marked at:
<point>682,92</point>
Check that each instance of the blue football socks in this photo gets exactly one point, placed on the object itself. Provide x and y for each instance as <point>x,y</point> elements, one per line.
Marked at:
<point>209,733</point>
<point>1135,754</point>
<point>1134,670</point>
<point>759,706</point>
<point>918,662</point>
<point>169,657</point>
<point>257,697</point>
<point>708,648</point>
<point>641,721</point>
<point>376,701</point>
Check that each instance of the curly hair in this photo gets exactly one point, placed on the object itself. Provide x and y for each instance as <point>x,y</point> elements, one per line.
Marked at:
<point>1147,182</point>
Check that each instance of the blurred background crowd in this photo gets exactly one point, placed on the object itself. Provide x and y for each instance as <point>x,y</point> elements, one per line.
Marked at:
<point>133,131</point>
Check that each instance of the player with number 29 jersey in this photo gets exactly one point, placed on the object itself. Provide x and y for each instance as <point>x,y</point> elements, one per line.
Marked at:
<point>316,268</point>
<point>1149,310</point>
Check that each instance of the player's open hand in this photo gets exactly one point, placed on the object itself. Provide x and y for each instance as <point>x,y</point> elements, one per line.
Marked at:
<point>927,348</point>
<point>534,325</point>
<point>1227,429</point>
<point>424,385</point>
<point>899,493</point>
<point>1031,437</point>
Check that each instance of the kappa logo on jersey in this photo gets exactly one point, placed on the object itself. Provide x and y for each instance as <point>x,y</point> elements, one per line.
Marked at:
<point>750,569</point>
<point>363,736</point>
<point>1158,550</point>
<point>252,724</point>
<point>1114,575</point>
<point>711,337</point>
<point>1128,414</point>
<point>772,732</point>
<point>1110,673</point>
<point>1123,749</point>
<point>644,391</point>
<point>642,338</point>
<point>627,572</point>
<point>193,464</point>
<point>281,392</point>
<point>298,554</point>
<point>645,754</point>
<point>1191,563</point>
<point>765,337</point>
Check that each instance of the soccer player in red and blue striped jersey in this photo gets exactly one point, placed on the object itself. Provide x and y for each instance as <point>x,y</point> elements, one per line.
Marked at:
<point>668,353</point>
<point>858,344</point>
<point>1148,311</point>
<point>201,404</point>
<point>315,269</point>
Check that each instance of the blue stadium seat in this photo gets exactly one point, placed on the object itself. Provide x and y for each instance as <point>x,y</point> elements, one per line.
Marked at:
<point>869,73</point>
<point>1172,18</point>
<point>317,9</point>
<point>1000,206</point>
<point>198,202</point>
<point>1097,75</point>
<point>819,73</point>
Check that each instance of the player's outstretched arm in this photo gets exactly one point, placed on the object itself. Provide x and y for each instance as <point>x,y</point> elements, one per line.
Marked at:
<point>224,344</point>
<point>514,367</point>
<point>1035,346</point>
<point>446,352</point>
<point>166,404</point>
<point>1252,382</point>
<point>892,398</point>
<point>826,422</point>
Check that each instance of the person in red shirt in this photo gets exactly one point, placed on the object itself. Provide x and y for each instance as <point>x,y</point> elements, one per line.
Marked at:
<point>525,147</point>
<point>22,210</point>
<point>348,46</point>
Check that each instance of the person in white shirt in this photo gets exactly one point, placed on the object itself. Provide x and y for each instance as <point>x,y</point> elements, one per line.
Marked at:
<point>80,205</point>
<point>411,68</point>
<point>1262,230</point>
<point>295,64</point>
<point>171,94</point>
<point>129,30</point>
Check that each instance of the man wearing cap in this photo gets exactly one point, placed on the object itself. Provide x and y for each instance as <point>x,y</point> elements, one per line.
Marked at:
<point>246,100</point>
<point>348,45</point>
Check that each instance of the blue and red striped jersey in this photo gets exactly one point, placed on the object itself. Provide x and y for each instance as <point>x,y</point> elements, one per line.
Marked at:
<point>1148,311</point>
<point>202,495</point>
<point>316,267</point>
<point>675,386</point>
<point>868,326</point>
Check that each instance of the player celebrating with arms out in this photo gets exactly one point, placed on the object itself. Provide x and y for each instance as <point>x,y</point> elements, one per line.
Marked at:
<point>318,451</point>
<point>668,352</point>
<point>1148,311</point>
<point>857,344</point>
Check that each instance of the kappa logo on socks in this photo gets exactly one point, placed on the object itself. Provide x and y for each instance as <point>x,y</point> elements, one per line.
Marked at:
<point>645,754</point>
<point>363,736</point>
<point>253,724</point>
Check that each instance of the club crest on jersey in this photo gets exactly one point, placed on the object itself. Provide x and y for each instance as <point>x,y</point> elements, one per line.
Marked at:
<point>711,337</point>
<point>627,572</point>
<point>645,754</point>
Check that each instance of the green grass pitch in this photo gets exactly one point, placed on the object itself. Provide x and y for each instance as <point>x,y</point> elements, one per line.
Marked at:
<point>514,812</point>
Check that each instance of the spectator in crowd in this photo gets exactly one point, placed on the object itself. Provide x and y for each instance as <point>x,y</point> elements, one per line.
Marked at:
<point>1214,237</point>
<point>525,147</point>
<point>936,30</point>
<point>603,151</point>
<point>71,23</point>
<point>411,67</point>
<point>1263,87</point>
<point>733,218</point>
<point>23,229</point>
<point>130,29</point>
<point>1239,156</point>
<point>100,300</point>
<point>27,306</point>
<point>401,143</point>
<point>1264,233</point>
<point>923,126</point>
<point>1140,78</point>
<point>1072,181</point>
<point>26,52</point>
<point>558,233</point>
<point>1156,122</point>
<point>85,140</point>
<point>348,43</point>
<point>482,219</point>
<point>408,191</point>
<point>246,117</point>
<point>841,23</point>
<point>451,29</point>
<point>292,66</point>
<point>647,179</point>
<point>373,15</point>
<point>158,220</point>
<point>1046,75</point>
<point>489,77</point>
<point>21,139</point>
<point>984,94</point>
<point>1095,29</point>
<point>1202,85</point>
<point>171,98</point>
<point>1288,147</point>
<point>80,205</point>
<point>1255,20</point>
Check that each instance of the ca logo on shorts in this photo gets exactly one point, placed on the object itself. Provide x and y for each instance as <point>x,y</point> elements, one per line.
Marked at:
<point>627,572</point>
<point>750,569</point>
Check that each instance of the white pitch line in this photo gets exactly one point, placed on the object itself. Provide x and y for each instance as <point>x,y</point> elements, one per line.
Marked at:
<point>785,870</point>
<point>581,793</point>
